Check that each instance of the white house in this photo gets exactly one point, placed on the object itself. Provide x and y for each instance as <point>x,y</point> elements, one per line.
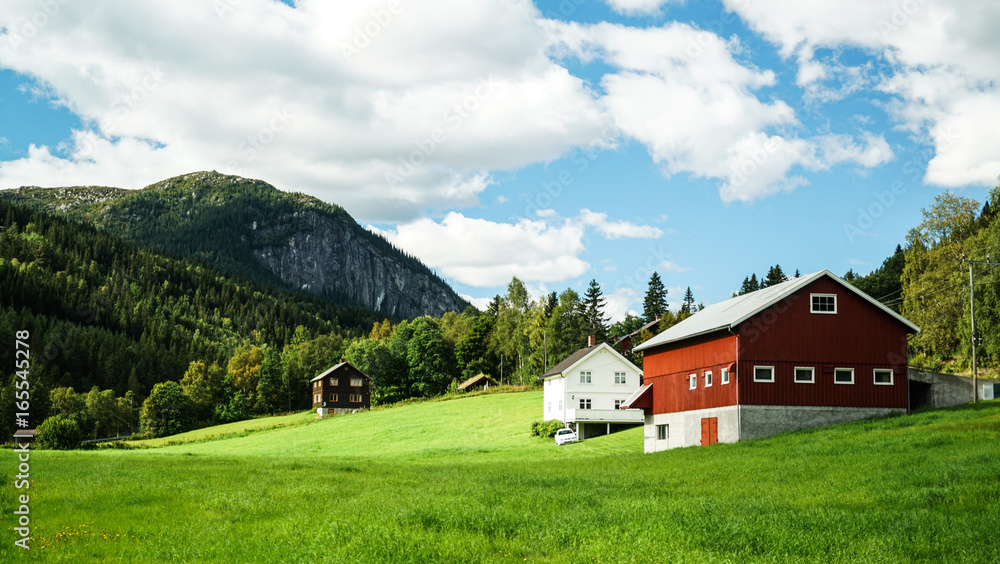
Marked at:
<point>586,390</point>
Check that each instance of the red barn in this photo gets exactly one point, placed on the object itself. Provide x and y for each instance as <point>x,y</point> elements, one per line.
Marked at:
<point>807,352</point>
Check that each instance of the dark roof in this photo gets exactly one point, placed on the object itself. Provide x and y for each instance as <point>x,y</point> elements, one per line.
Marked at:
<point>337,367</point>
<point>569,361</point>
<point>475,380</point>
<point>645,327</point>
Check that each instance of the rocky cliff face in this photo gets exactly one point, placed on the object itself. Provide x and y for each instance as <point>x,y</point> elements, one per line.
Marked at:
<point>251,229</point>
<point>332,256</point>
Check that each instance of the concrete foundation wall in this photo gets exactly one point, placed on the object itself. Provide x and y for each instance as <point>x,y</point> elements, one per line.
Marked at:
<point>684,428</point>
<point>758,421</point>
<point>946,390</point>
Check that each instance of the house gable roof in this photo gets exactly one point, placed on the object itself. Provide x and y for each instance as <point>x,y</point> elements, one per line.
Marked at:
<point>579,356</point>
<point>337,367</point>
<point>732,312</point>
<point>476,379</point>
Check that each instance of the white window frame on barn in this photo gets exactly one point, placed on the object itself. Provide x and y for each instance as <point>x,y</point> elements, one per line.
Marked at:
<point>876,372</point>
<point>620,378</point>
<point>770,369</point>
<point>818,303</point>
<point>841,370</point>
<point>725,376</point>
<point>585,377</point>
<point>708,378</point>
<point>586,403</point>
<point>812,375</point>
<point>693,382</point>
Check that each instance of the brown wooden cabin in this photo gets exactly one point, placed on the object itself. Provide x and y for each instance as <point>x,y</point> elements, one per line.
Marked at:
<point>477,382</point>
<point>341,389</point>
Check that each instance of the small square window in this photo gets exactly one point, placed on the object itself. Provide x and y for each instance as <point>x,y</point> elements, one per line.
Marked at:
<point>883,377</point>
<point>618,403</point>
<point>843,376</point>
<point>333,397</point>
<point>585,404</point>
<point>334,381</point>
<point>693,381</point>
<point>662,432</point>
<point>585,377</point>
<point>708,379</point>
<point>763,374</point>
<point>725,376</point>
<point>619,377</point>
<point>823,303</point>
<point>805,375</point>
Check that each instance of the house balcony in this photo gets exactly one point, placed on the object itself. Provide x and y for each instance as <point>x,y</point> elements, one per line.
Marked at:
<point>606,415</point>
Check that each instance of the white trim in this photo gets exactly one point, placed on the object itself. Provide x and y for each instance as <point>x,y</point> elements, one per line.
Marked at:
<point>724,376</point>
<point>603,346</point>
<point>692,381</point>
<point>755,379</point>
<point>812,375</point>
<point>812,304</point>
<point>892,376</point>
<point>845,383</point>
<point>624,376</point>
<point>708,378</point>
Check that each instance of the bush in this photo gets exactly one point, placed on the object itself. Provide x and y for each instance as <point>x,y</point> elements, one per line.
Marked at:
<point>60,432</point>
<point>546,428</point>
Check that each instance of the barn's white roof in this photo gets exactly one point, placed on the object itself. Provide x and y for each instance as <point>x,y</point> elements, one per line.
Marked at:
<point>732,312</point>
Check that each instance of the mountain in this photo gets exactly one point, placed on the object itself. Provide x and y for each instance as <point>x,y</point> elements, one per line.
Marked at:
<point>250,229</point>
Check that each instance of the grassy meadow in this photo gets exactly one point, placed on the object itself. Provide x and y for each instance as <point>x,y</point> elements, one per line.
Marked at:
<point>461,481</point>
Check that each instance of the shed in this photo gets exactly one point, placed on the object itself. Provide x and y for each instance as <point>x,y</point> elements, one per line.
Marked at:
<point>477,382</point>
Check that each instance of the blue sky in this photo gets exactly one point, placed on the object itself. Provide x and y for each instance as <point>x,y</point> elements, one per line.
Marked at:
<point>556,141</point>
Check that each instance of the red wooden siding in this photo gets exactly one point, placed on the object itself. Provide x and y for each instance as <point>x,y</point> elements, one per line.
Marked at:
<point>667,368</point>
<point>859,336</point>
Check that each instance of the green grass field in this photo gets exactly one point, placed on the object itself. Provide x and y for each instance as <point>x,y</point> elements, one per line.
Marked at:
<point>461,481</point>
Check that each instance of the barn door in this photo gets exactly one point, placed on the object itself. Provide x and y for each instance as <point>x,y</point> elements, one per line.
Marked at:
<point>709,431</point>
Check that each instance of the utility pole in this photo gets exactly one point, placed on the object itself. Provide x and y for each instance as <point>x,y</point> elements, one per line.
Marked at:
<point>972,319</point>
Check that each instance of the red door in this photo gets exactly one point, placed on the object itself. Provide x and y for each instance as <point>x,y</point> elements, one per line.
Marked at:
<point>709,431</point>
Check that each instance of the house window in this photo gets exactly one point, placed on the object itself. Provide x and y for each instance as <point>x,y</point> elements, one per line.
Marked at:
<point>823,303</point>
<point>763,374</point>
<point>315,384</point>
<point>618,404</point>
<point>550,407</point>
<point>843,376</point>
<point>883,377</point>
<point>619,377</point>
<point>805,375</point>
<point>662,432</point>
<point>333,397</point>
<point>356,382</point>
<point>693,382</point>
<point>585,377</point>
<point>708,379</point>
<point>317,398</point>
<point>355,398</point>
<point>560,405</point>
<point>585,404</point>
<point>725,376</point>
<point>334,381</point>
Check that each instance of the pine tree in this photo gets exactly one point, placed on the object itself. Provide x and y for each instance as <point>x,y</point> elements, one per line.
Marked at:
<point>687,306</point>
<point>774,277</point>
<point>655,302</point>
<point>593,316</point>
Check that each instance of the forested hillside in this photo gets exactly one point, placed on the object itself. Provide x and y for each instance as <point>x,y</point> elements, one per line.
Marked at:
<point>251,230</point>
<point>102,312</point>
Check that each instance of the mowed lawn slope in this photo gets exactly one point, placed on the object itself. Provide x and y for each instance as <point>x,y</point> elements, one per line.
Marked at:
<point>461,481</point>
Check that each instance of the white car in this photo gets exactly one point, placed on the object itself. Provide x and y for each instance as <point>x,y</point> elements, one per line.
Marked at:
<point>566,436</point>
